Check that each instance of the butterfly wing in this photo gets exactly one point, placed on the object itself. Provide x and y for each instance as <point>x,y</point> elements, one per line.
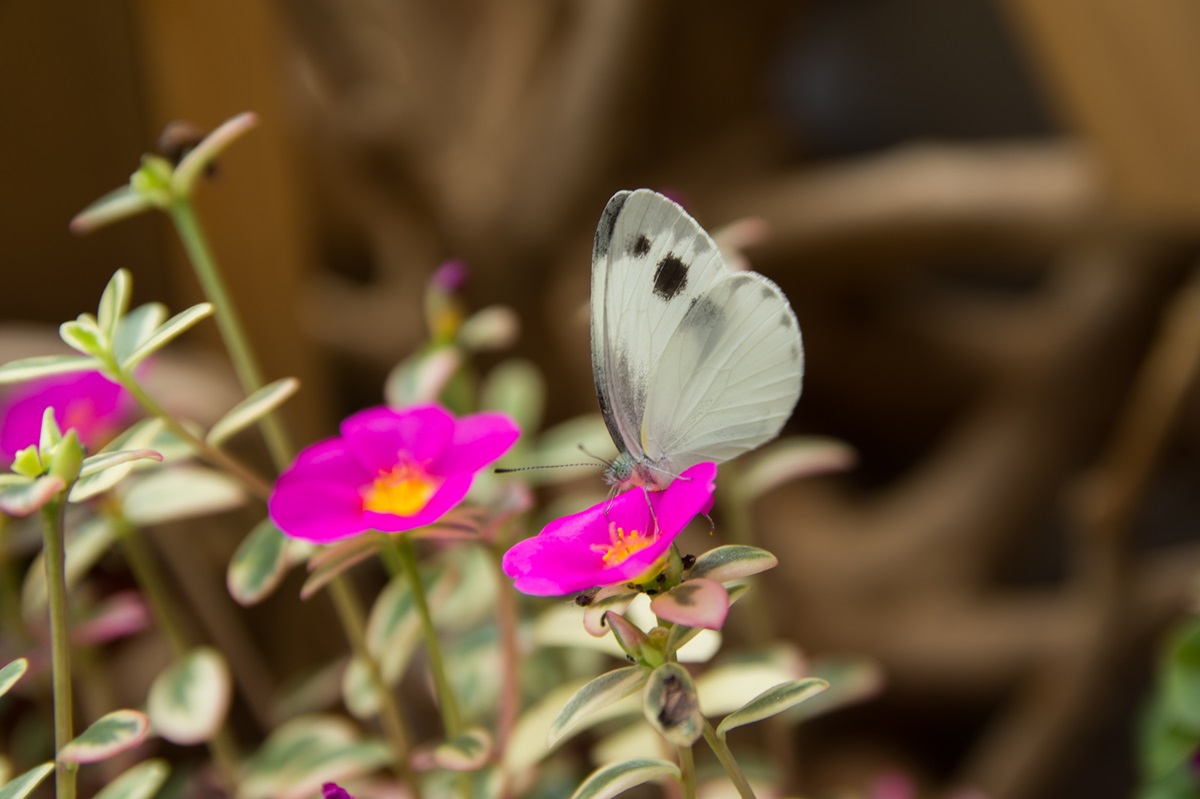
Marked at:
<point>650,261</point>
<point>729,376</point>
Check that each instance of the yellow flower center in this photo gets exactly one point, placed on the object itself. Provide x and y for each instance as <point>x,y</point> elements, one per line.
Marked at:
<point>622,545</point>
<point>402,491</point>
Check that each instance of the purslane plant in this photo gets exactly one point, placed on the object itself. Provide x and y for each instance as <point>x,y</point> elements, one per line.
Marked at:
<point>397,476</point>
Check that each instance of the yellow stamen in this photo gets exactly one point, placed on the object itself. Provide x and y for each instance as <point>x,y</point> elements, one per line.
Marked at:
<point>402,491</point>
<point>622,545</point>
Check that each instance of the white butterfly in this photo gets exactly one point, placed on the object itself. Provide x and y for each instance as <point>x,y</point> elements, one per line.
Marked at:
<point>693,361</point>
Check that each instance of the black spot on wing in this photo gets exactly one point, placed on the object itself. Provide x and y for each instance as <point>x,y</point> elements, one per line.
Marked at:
<point>701,244</point>
<point>641,246</point>
<point>670,277</point>
<point>785,320</point>
<point>768,292</point>
<point>608,222</point>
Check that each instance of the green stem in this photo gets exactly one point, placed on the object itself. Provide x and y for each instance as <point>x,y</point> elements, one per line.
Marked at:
<point>146,573</point>
<point>203,449</point>
<point>60,644</point>
<point>350,613</point>
<point>244,363</point>
<point>728,762</point>
<point>451,719</point>
<point>687,770</point>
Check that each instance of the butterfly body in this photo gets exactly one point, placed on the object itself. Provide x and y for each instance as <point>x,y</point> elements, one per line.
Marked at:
<point>693,361</point>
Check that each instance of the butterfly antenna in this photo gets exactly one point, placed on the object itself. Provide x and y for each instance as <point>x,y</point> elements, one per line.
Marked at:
<point>547,466</point>
<point>591,454</point>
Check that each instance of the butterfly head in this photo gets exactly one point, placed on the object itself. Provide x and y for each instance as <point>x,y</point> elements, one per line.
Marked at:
<point>625,472</point>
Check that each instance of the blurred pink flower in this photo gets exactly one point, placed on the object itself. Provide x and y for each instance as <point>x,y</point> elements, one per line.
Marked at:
<point>96,407</point>
<point>390,470</point>
<point>613,542</point>
<point>331,790</point>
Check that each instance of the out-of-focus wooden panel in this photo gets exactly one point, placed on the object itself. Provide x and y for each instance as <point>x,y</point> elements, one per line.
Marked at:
<point>1124,74</point>
<point>205,62</point>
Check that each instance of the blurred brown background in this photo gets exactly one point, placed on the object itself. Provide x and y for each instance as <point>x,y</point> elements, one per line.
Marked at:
<point>984,213</point>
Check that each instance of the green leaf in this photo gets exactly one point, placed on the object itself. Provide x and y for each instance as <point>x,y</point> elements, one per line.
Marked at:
<point>307,751</point>
<point>44,366</point>
<point>104,470</point>
<point>732,563</point>
<point>516,387</point>
<point>251,409</point>
<point>1181,680</point>
<point>22,499</point>
<point>197,160</point>
<point>630,637</point>
<point>175,326</point>
<point>604,690</point>
<point>138,438</point>
<point>117,204</point>
<point>421,377</point>
<point>258,565</point>
<point>771,702</point>
<point>11,673</point>
<point>114,302</point>
<point>670,704</point>
<point>616,778</point>
<point>136,327</point>
<point>110,735</point>
<point>616,598</point>
<point>23,785</point>
<point>51,434</point>
<point>85,545</point>
<point>180,492</point>
<point>84,337</point>
<point>189,700</point>
<point>140,782</point>
<point>466,752</point>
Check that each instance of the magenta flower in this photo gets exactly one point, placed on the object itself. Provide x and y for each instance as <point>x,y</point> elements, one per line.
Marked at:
<point>331,790</point>
<point>390,470</point>
<point>89,402</point>
<point>614,542</point>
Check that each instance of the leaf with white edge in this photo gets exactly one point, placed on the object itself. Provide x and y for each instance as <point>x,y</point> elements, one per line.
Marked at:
<point>140,782</point>
<point>188,701</point>
<point>83,337</point>
<point>84,545</point>
<point>616,598</point>
<point>680,641</point>
<point>629,637</point>
<point>114,302</point>
<point>251,409</point>
<point>136,327</point>
<point>421,377</point>
<point>771,702</point>
<point>197,160</point>
<point>516,387</point>
<point>469,751</point>
<point>117,204</point>
<point>851,680</point>
<point>11,673</point>
<point>527,742</point>
<point>793,459</point>
<point>699,602</point>
<point>104,470</point>
<point>726,687</point>
<point>172,328</point>
<point>671,705</point>
<point>110,735</point>
<point>610,780</point>
<point>258,565</point>
<point>305,752</point>
<point>23,785</point>
<point>45,366</point>
<point>604,690</point>
<point>22,499</point>
<point>732,562</point>
<point>180,492</point>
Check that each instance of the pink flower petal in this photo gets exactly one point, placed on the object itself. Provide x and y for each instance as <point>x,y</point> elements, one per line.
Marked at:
<point>316,511</point>
<point>478,440</point>
<point>563,558</point>
<point>89,402</point>
<point>329,461</point>
<point>378,437</point>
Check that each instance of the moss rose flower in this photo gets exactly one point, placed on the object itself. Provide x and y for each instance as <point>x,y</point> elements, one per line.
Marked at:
<point>390,470</point>
<point>613,542</point>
